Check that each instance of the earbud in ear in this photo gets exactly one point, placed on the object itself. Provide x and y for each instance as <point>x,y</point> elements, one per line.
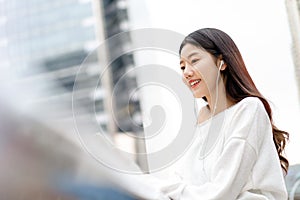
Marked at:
<point>222,62</point>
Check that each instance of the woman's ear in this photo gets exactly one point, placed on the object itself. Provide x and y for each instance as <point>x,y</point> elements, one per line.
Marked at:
<point>222,65</point>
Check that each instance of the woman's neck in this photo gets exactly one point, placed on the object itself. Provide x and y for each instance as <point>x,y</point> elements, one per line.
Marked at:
<point>219,101</point>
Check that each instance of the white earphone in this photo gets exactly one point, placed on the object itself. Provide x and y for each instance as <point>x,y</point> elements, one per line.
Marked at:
<point>222,62</point>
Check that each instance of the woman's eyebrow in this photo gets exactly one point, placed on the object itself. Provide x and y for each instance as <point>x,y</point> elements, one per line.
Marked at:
<point>189,56</point>
<point>192,54</point>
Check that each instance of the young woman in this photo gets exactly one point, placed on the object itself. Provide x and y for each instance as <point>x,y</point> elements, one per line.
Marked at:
<point>238,153</point>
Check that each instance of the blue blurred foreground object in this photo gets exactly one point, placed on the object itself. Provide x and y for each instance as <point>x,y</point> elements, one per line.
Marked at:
<point>33,157</point>
<point>92,192</point>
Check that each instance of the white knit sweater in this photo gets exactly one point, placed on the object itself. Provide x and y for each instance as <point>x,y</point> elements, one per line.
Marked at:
<point>232,157</point>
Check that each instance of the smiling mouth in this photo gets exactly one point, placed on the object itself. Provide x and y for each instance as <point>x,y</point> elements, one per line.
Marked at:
<point>194,83</point>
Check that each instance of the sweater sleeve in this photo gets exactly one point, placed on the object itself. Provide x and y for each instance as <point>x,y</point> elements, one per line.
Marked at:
<point>229,175</point>
<point>233,167</point>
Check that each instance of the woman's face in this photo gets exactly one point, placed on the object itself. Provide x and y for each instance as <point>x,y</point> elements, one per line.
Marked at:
<point>199,71</point>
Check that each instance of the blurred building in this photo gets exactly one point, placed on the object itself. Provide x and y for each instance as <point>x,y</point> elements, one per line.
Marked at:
<point>292,181</point>
<point>127,107</point>
<point>293,12</point>
<point>43,44</point>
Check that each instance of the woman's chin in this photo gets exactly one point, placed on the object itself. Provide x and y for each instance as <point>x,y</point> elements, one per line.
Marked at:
<point>198,96</point>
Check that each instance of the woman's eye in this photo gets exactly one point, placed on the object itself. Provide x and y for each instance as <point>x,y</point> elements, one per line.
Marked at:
<point>194,61</point>
<point>182,68</point>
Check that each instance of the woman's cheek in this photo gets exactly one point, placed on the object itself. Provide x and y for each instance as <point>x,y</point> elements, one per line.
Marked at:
<point>184,80</point>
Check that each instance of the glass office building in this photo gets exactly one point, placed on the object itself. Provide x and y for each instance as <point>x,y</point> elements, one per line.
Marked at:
<point>44,43</point>
<point>293,13</point>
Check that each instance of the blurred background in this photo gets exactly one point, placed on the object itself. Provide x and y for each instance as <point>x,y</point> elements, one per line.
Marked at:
<point>44,44</point>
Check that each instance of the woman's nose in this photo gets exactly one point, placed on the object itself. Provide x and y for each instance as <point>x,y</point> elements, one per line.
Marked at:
<point>188,72</point>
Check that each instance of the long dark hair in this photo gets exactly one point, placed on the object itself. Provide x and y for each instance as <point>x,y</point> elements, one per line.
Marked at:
<point>238,82</point>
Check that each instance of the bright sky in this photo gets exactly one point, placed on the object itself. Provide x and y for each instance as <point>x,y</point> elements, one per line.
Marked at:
<point>260,30</point>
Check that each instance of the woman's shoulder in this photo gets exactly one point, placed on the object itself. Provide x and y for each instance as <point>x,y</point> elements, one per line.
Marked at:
<point>251,123</point>
<point>250,104</point>
<point>244,111</point>
<point>251,100</point>
<point>249,115</point>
